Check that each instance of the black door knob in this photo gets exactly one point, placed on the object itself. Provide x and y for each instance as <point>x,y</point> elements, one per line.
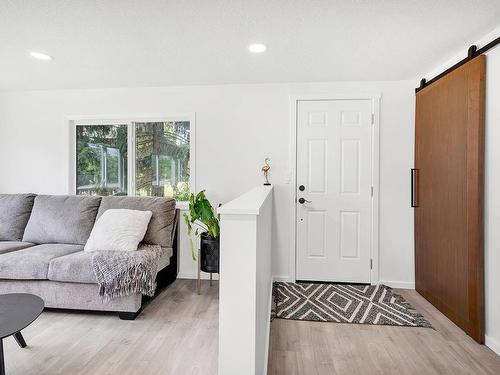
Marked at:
<point>302,200</point>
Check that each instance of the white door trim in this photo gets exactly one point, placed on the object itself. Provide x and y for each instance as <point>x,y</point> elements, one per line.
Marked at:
<point>374,236</point>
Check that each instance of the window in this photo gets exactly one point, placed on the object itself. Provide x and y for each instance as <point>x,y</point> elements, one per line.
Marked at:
<point>101,159</point>
<point>162,159</point>
<point>134,157</point>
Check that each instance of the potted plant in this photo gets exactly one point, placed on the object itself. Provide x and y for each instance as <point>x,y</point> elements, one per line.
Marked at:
<point>205,222</point>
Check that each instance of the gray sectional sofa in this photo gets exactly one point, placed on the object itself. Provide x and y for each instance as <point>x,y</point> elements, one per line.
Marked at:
<point>41,248</point>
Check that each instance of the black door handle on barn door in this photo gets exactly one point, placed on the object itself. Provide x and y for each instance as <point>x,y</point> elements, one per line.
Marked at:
<point>414,187</point>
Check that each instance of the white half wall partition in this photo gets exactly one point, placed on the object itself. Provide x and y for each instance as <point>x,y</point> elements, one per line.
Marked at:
<point>245,286</point>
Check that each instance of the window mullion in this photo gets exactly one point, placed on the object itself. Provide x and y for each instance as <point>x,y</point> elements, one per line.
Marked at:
<point>131,184</point>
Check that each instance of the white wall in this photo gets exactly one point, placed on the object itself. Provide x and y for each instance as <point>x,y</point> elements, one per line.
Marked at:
<point>492,183</point>
<point>492,201</point>
<point>237,127</point>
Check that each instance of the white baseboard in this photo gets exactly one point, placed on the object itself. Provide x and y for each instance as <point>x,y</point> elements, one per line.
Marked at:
<point>493,344</point>
<point>194,276</point>
<point>398,284</point>
<point>206,276</point>
<point>287,279</point>
<point>392,284</point>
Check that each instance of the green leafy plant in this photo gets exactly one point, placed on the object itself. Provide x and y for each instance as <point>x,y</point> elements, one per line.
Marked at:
<point>202,218</point>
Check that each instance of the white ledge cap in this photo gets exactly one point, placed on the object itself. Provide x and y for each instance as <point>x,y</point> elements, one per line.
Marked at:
<point>249,203</point>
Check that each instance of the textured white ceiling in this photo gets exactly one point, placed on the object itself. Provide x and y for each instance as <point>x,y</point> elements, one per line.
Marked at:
<point>126,43</point>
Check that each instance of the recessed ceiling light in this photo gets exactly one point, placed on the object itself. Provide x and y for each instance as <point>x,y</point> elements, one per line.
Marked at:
<point>257,47</point>
<point>40,56</point>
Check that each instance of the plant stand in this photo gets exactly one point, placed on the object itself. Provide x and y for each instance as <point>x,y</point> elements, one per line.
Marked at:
<point>199,273</point>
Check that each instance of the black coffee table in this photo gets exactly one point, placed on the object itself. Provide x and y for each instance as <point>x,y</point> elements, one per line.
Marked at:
<point>17,311</point>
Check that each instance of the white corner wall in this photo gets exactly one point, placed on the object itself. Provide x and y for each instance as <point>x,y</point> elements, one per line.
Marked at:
<point>237,127</point>
<point>492,201</point>
<point>245,287</point>
<point>492,183</point>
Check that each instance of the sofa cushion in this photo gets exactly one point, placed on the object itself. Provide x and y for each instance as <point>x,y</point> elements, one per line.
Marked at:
<point>77,267</point>
<point>8,246</point>
<point>160,226</point>
<point>15,210</point>
<point>61,219</point>
<point>32,263</point>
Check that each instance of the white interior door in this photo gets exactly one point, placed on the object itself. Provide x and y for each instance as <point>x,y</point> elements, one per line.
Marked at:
<point>334,190</point>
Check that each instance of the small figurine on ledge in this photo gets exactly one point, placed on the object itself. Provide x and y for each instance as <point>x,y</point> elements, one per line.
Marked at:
<point>265,169</point>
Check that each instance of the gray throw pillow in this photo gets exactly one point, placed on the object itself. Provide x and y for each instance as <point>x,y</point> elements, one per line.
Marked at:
<point>162,222</point>
<point>64,219</point>
<point>15,210</point>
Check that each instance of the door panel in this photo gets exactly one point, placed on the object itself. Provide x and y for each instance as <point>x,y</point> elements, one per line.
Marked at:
<point>449,147</point>
<point>349,235</point>
<point>318,165</point>
<point>349,173</point>
<point>316,235</point>
<point>334,151</point>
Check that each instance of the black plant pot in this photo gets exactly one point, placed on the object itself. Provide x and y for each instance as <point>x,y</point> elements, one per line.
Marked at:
<point>209,253</point>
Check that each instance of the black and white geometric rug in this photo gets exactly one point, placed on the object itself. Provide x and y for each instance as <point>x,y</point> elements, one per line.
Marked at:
<point>343,303</point>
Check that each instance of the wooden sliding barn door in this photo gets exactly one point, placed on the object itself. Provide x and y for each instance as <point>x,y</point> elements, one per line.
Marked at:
<point>448,195</point>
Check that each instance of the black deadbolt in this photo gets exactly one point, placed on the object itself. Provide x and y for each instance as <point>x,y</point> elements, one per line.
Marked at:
<point>302,188</point>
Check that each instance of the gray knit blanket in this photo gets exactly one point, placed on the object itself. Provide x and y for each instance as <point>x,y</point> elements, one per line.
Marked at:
<point>121,273</point>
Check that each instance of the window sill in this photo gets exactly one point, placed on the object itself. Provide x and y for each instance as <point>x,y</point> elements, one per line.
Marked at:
<point>182,205</point>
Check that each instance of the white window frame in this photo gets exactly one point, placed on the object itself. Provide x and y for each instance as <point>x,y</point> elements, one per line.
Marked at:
<point>129,120</point>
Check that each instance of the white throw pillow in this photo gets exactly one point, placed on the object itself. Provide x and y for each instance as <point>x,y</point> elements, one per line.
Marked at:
<point>120,230</point>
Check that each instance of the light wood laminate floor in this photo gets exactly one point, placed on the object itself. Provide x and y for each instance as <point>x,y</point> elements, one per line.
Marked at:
<point>177,334</point>
<point>315,348</point>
